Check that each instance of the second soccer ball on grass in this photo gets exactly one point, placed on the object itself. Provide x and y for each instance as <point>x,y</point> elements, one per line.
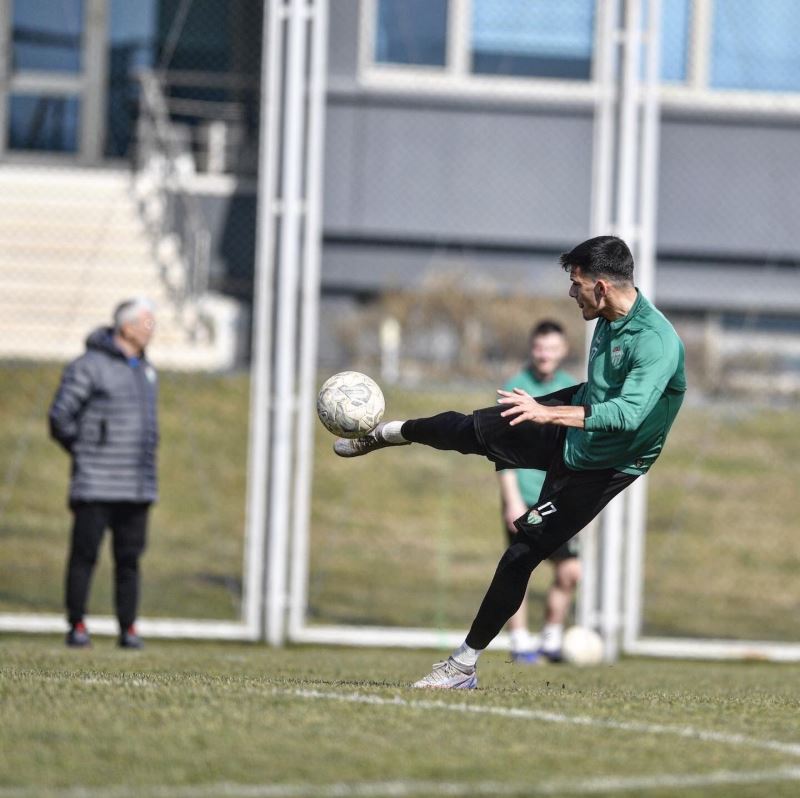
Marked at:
<point>350,404</point>
<point>582,646</point>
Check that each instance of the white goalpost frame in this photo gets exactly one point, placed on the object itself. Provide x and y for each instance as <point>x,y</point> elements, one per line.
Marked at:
<point>309,323</point>
<point>289,220</point>
<point>623,202</point>
<point>624,185</point>
<point>249,627</point>
<point>620,599</point>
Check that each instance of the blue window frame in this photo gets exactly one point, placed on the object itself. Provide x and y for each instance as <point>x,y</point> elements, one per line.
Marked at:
<point>411,32</point>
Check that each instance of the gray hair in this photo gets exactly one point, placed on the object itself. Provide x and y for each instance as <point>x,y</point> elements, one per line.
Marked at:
<point>130,309</point>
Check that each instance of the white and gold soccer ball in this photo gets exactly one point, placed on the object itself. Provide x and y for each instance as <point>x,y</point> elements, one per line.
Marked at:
<point>350,404</point>
<point>582,646</point>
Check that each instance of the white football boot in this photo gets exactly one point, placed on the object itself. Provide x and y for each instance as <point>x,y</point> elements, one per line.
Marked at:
<point>355,447</point>
<point>448,675</point>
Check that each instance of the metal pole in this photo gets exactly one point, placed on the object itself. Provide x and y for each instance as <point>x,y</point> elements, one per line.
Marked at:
<point>95,81</point>
<point>629,126</point>
<point>309,332</point>
<point>603,144</point>
<point>286,325</point>
<point>646,266</point>
<point>260,378</point>
<point>611,556</point>
<point>5,73</point>
<point>588,609</point>
<point>613,518</point>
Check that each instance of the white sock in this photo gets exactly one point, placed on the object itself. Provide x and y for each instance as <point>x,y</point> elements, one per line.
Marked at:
<point>552,635</point>
<point>520,640</point>
<point>465,656</point>
<point>391,432</point>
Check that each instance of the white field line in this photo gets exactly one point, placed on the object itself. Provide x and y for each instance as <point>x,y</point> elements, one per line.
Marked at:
<point>407,789</point>
<point>637,727</point>
<point>689,732</point>
<point>403,789</point>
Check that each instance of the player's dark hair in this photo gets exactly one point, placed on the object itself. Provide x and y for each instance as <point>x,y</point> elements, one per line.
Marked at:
<point>602,256</point>
<point>546,327</point>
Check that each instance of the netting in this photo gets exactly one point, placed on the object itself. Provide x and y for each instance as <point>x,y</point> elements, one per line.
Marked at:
<point>143,218</point>
<point>456,179</point>
<point>460,156</point>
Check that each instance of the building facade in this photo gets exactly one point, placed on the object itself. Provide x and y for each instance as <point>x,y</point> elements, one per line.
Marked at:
<point>457,132</point>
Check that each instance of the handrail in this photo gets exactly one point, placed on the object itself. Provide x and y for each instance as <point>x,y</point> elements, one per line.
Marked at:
<point>167,160</point>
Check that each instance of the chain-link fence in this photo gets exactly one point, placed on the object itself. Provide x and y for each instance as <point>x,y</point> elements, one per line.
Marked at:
<point>159,202</point>
<point>459,162</point>
<point>457,169</point>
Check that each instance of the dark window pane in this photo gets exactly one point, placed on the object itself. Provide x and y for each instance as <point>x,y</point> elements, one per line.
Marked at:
<point>755,47</point>
<point>535,38</point>
<point>47,35</point>
<point>38,122</point>
<point>412,32</point>
<point>133,40</point>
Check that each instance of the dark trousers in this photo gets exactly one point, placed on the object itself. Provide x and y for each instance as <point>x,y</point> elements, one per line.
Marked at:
<point>569,499</point>
<point>128,524</point>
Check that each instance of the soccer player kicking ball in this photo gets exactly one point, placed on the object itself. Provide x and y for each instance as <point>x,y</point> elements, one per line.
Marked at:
<point>593,439</point>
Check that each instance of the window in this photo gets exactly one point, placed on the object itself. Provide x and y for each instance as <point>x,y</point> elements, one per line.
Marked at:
<point>547,48</point>
<point>675,31</point>
<point>534,38</point>
<point>756,49</point>
<point>412,32</point>
<point>38,122</point>
<point>47,35</point>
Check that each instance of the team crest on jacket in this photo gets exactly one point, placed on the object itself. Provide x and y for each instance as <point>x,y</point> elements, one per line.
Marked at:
<point>536,515</point>
<point>616,356</point>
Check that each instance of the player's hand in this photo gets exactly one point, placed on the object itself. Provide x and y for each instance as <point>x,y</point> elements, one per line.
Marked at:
<point>522,407</point>
<point>512,511</point>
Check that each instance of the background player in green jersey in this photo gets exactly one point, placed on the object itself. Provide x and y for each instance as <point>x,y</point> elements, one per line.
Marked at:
<point>593,439</point>
<point>520,489</point>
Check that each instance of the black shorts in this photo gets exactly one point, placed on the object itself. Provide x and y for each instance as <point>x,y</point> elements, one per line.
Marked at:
<point>567,551</point>
<point>569,498</point>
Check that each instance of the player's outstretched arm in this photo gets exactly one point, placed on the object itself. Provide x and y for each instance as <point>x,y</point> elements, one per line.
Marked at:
<point>523,407</point>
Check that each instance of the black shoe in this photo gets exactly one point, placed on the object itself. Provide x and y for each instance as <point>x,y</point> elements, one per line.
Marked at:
<point>78,636</point>
<point>129,639</point>
<point>554,657</point>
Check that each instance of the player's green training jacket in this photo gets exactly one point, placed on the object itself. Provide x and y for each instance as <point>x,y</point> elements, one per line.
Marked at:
<point>635,387</point>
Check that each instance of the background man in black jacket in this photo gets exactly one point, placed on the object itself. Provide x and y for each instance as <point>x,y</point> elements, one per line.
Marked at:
<point>104,414</point>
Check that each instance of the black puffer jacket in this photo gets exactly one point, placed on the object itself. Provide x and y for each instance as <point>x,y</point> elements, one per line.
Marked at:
<point>104,415</point>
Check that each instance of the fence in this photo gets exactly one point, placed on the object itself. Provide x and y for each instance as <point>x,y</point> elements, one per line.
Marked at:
<point>464,145</point>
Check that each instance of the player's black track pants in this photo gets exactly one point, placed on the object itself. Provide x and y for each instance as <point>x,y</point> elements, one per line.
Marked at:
<point>128,524</point>
<point>569,499</point>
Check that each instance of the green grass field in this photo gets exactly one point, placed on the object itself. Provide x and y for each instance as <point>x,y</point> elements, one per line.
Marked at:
<point>180,720</point>
<point>408,537</point>
<point>400,538</point>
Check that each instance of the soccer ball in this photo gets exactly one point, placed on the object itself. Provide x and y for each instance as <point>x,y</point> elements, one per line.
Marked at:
<point>582,646</point>
<point>350,404</point>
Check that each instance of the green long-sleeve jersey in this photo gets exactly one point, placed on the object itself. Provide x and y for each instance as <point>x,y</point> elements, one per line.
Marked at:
<point>635,387</point>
